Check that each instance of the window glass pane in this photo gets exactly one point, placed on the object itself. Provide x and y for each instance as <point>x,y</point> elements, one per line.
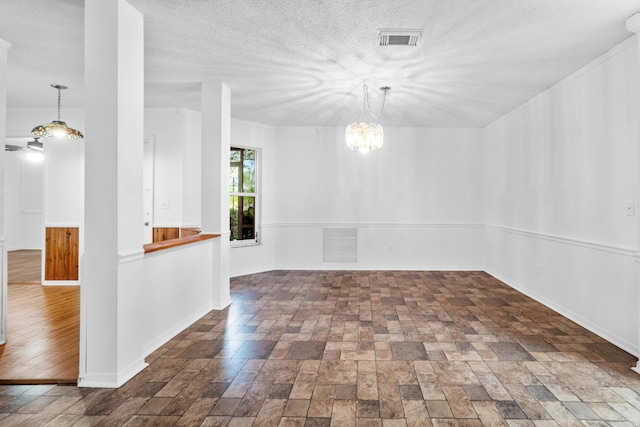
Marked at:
<point>242,220</point>
<point>246,230</point>
<point>235,168</point>
<point>248,172</point>
<point>233,216</point>
<point>233,179</point>
<point>235,155</point>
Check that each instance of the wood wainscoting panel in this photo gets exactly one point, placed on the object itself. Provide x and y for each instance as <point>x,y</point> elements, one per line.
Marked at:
<point>189,231</point>
<point>61,253</point>
<point>165,233</point>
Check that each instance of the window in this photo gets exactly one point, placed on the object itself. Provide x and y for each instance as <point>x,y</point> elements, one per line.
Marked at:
<point>243,195</point>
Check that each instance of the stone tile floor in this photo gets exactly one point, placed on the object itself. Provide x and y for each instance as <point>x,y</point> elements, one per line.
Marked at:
<point>328,348</point>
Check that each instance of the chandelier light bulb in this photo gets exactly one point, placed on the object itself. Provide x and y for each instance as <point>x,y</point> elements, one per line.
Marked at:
<point>366,137</point>
<point>35,157</point>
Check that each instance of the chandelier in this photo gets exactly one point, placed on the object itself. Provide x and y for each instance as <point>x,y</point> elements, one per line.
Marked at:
<point>57,128</point>
<point>363,136</point>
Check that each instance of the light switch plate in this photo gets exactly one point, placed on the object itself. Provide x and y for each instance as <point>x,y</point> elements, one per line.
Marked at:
<point>629,208</point>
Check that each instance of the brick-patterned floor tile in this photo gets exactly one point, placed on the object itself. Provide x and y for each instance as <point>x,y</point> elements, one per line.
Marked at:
<point>361,348</point>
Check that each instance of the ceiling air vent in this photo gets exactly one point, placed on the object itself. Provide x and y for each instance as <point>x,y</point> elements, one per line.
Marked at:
<point>399,37</point>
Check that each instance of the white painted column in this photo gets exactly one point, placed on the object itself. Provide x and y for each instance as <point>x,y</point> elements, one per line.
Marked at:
<point>633,25</point>
<point>216,140</point>
<point>112,265</point>
<point>4,47</point>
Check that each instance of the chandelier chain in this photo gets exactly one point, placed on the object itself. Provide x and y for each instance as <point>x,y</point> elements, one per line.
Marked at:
<point>59,103</point>
<point>366,103</point>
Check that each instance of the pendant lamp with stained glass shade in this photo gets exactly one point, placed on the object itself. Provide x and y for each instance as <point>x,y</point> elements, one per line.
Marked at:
<point>57,128</point>
<point>363,136</point>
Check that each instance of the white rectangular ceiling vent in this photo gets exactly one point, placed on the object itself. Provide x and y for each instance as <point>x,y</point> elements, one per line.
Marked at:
<point>399,37</point>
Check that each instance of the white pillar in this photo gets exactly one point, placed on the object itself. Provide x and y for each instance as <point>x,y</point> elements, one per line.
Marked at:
<point>216,125</point>
<point>633,25</point>
<point>4,47</point>
<point>111,270</point>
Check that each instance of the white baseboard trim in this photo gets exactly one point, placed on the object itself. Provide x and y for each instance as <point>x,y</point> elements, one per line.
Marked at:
<point>246,272</point>
<point>356,267</point>
<point>166,336</point>
<point>131,371</point>
<point>39,248</point>
<point>374,225</point>
<point>61,283</point>
<point>585,323</point>
<point>359,267</point>
<point>221,305</point>
<point>130,256</point>
<point>98,381</point>
<point>103,380</point>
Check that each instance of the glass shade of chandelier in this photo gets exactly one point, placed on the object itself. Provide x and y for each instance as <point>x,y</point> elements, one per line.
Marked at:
<point>57,128</point>
<point>366,137</point>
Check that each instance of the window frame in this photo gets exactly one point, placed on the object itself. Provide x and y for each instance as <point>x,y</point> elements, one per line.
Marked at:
<point>257,239</point>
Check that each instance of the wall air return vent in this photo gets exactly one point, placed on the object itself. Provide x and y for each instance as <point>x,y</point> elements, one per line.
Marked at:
<point>340,245</point>
<point>399,37</point>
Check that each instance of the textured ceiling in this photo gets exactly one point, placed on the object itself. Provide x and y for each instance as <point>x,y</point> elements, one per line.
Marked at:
<point>303,63</point>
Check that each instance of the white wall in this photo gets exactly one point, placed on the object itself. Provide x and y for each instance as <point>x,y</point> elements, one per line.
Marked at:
<point>166,127</point>
<point>191,173</point>
<point>251,259</point>
<point>64,183</point>
<point>421,195</point>
<point>178,290</point>
<point>176,136</point>
<point>558,172</point>
<point>62,170</point>
<point>23,202</point>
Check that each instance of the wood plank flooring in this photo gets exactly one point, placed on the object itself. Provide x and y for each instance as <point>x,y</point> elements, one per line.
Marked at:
<point>43,327</point>
<point>24,267</point>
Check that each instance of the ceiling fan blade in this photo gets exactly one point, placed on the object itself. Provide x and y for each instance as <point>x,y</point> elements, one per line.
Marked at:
<point>9,147</point>
<point>35,144</point>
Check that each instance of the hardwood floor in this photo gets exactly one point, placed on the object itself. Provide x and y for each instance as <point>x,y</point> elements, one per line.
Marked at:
<point>24,267</point>
<point>43,327</point>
